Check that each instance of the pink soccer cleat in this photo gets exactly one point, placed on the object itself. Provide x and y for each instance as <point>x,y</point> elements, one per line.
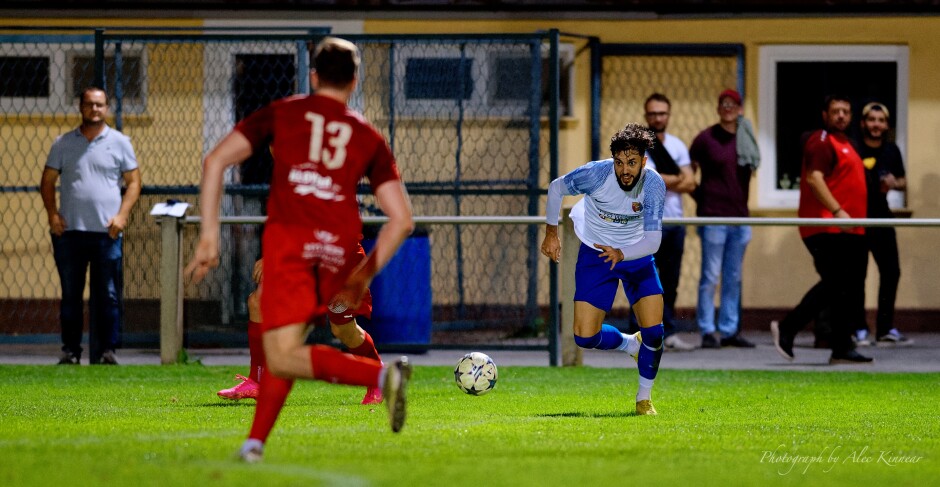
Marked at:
<point>248,389</point>
<point>373,396</point>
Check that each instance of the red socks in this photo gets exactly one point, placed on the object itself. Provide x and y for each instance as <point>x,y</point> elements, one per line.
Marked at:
<point>255,350</point>
<point>271,399</point>
<point>331,365</point>
<point>367,349</point>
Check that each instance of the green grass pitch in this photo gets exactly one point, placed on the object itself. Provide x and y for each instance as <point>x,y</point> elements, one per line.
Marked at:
<point>151,425</point>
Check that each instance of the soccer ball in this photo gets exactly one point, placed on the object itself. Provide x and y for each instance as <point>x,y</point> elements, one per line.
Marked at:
<point>476,374</point>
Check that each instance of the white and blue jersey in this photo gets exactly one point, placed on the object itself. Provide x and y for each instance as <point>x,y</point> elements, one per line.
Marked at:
<point>627,220</point>
<point>609,215</point>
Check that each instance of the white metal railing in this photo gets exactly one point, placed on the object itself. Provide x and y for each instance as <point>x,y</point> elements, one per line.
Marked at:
<point>693,221</point>
<point>561,344</point>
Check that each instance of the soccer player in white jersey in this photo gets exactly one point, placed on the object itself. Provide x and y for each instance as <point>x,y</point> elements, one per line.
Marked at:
<point>619,223</point>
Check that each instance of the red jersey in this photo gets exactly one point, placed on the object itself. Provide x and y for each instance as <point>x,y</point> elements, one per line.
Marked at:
<point>842,168</point>
<point>322,149</point>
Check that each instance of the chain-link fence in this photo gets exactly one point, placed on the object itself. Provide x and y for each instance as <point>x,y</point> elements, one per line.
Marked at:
<point>691,76</point>
<point>461,112</point>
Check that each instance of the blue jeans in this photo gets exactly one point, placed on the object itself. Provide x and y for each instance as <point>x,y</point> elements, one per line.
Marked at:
<point>74,253</point>
<point>722,256</point>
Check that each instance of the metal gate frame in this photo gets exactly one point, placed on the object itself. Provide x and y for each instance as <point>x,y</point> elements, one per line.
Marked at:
<point>600,50</point>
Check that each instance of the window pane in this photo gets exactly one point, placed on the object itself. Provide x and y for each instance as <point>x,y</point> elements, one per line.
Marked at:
<point>22,76</point>
<point>513,78</point>
<point>83,75</point>
<point>437,78</point>
<point>802,87</point>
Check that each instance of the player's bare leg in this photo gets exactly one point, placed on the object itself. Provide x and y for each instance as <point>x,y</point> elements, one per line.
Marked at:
<point>591,332</point>
<point>288,358</point>
<point>249,386</point>
<point>358,342</point>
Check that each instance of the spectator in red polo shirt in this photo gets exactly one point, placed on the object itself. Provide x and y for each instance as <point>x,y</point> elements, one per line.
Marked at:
<point>832,185</point>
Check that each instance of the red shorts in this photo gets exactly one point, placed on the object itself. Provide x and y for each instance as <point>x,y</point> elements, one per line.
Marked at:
<point>303,270</point>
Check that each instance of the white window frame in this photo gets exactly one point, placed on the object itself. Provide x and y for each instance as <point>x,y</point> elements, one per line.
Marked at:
<point>218,60</point>
<point>60,99</point>
<point>768,195</point>
<point>480,102</point>
<point>128,106</point>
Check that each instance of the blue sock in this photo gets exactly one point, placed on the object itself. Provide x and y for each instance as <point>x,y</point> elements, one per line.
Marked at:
<point>651,351</point>
<point>606,339</point>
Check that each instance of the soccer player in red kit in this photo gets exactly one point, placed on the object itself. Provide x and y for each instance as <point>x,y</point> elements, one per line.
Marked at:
<point>343,325</point>
<point>322,149</point>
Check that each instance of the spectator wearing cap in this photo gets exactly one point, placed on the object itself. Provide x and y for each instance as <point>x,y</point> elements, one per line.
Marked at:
<point>725,155</point>
<point>884,171</point>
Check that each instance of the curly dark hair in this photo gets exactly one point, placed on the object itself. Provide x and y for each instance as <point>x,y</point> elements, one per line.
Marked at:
<point>633,137</point>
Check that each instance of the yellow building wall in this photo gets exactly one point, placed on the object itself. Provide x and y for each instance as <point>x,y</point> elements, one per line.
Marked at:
<point>778,269</point>
<point>174,98</point>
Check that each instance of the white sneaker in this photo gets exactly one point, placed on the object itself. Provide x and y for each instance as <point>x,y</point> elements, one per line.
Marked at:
<point>397,375</point>
<point>633,348</point>
<point>894,338</point>
<point>673,342</point>
<point>861,338</point>
<point>252,451</point>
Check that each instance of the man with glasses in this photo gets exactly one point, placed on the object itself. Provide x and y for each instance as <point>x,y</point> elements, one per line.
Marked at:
<point>832,185</point>
<point>670,159</point>
<point>88,225</point>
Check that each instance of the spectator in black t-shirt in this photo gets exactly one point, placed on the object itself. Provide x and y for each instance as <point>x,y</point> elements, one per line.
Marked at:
<point>884,171</point>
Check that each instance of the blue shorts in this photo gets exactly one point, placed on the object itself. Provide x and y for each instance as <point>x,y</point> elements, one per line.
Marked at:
<point>596,284</point>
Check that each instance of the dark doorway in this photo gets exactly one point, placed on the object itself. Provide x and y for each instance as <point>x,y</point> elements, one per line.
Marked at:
<point>801,88</point>
<point>258,80</point>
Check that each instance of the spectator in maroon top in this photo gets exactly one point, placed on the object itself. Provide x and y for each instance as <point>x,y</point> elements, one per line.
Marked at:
<point>722,192</point>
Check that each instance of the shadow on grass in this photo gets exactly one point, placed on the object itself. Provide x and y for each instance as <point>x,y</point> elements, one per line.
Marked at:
<point>227,404</point>
<point>580,414</point>
<point>826,365</point>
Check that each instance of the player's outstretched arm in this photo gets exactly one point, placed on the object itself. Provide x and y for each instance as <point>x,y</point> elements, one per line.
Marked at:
<point>233,149</point>
<point>393,200</point>
<point>551,245</point>
<point>647,245</point>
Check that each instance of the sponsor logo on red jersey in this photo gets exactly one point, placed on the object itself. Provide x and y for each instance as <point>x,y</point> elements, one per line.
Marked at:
<point>307,182</point>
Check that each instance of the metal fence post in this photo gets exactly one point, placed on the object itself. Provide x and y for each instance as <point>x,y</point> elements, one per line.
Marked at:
<point>570,352</point>
<point>171,289</point>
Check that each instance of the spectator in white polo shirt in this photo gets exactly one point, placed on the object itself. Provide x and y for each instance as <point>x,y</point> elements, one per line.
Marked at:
<point>87,225</point>
<point>670,158</point>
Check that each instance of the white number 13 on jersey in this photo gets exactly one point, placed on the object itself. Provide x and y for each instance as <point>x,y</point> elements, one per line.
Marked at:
<point>337,136</point>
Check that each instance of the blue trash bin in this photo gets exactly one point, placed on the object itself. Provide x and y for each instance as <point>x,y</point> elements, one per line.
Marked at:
<point>401,296</point>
